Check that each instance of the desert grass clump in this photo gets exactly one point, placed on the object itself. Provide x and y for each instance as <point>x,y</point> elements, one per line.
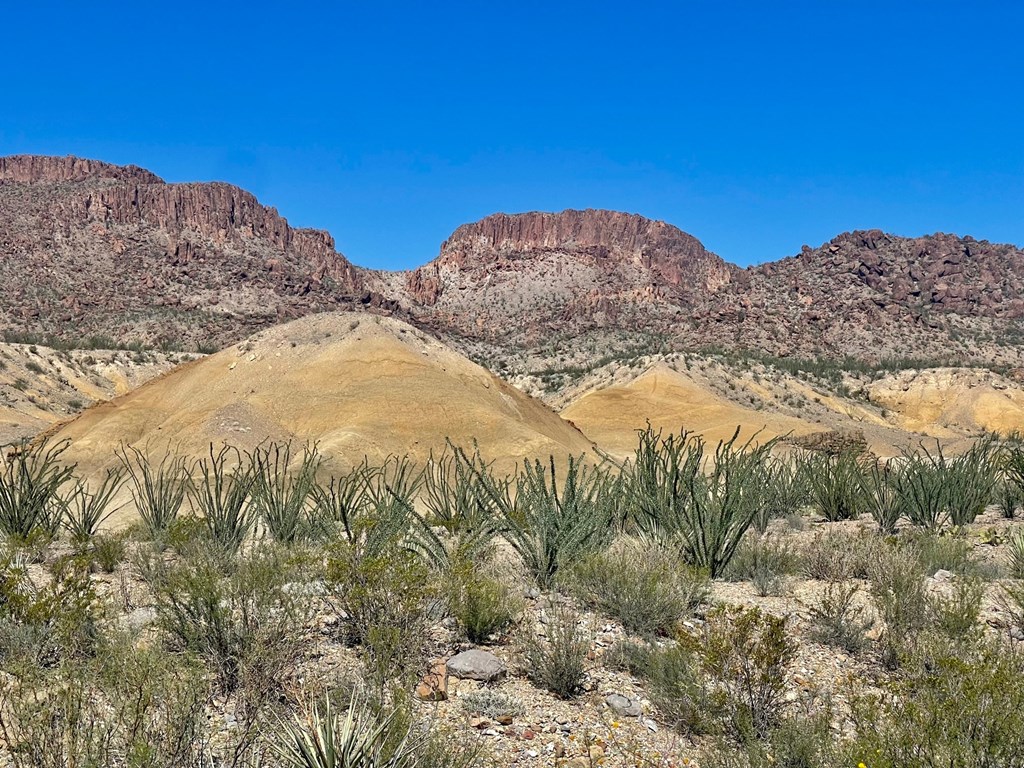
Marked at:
<point>838,619</point>
<point>839,556</point>
<point>158,489</point>
<point>491,703</point>
<point>219,488</point>
<point>31,503</point>
<point>640,583</point>
<point>766,561</point>
<point>701,504</point>
<point>108,551</point>
<point>558,663</point>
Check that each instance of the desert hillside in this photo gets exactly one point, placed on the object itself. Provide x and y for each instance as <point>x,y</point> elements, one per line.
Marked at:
<point>357,385</point>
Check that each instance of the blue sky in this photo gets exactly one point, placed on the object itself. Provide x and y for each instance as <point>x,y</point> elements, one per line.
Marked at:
<point>755,126</point>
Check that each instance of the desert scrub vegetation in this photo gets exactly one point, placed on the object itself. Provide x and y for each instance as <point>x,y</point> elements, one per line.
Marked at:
<point>265,610</point>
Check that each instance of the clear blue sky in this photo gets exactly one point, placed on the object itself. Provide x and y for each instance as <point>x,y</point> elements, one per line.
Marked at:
<point>756,126</point>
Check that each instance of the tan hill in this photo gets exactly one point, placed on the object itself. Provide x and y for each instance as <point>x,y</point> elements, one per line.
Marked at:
<point>670,400</point>
<point>360,386</point>
<point>41,386</point>
<point>714,395</point>
<point>951,402</point>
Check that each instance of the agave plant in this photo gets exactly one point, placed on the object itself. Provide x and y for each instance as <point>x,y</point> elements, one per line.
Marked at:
<point>359,739</point>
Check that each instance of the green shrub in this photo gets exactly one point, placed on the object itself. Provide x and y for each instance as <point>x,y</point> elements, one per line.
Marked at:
<point>158,490</point>
<point>482,604</point>
<point>765,560</point>
<point>222,496</point>
<point>838,620</point>
<point>950,705</point>
<point>127,706</point>
<point>702,506</point>
<point>956,614</point>
<point>385,600</point>
<point>108,551</point>
<point>642,584</point>
<point>940,552</point>
<point>242,624</point>
<point>675,677</point>
<point>31,477</point>
<point>746,654</point>
<point>48,624</point>
<point>558,663</point>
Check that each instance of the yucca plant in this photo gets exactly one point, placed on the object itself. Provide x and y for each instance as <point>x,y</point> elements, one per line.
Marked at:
<point>219,489</point>
<point>158,489</point>
<point>359,739</point>
<point>835,485</point>
<point>86,510</point>
<point>281,496</point>
<point>550,527</point>
<point>1015,554</point>
<point>31,476</point>
<point>702,504</point>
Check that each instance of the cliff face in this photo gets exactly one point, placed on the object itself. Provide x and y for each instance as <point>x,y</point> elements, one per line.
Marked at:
<point>90,248</point>
<point>615,250</point>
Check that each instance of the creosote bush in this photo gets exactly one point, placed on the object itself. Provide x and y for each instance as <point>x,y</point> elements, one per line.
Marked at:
<point>640,583</point>
<point>482,604</point>
<point>558,663</point>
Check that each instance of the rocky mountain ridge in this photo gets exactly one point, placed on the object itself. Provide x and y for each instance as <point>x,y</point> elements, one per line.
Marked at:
<point>206,264</point>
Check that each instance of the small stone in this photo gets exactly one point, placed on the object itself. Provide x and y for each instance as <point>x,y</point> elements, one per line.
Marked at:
<point>139,619</point>
<point>1017,633</point>
<point>559,749</point>
<point>529,735</point>
<point>504,719</point>
<point>475,664</point>
<point>596,753</point>
<point>942,576</point>
<point>650,725</point>
<point>623,706</point>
